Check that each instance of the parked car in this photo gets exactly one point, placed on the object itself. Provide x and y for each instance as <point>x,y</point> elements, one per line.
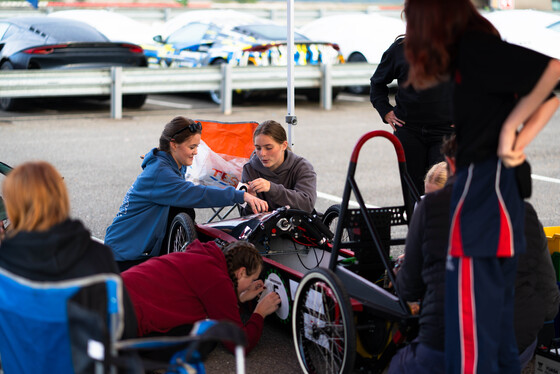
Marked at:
<point>532,29</point>
<point>361,37</point>
<point>54,43</point>
<point>203,38</point>
<point>4,222</point>
<point>115,26</point>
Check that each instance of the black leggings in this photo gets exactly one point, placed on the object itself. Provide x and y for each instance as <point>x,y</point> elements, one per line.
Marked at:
<point>422,149</point>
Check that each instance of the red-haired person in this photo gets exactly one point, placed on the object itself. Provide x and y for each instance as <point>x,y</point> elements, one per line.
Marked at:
<point>42,242</point>
<point>501,100</point>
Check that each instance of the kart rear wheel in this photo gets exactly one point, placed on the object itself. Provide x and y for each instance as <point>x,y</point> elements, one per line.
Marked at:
<point>330,219</point>
<point>182,232</point>
<point>323,324</point>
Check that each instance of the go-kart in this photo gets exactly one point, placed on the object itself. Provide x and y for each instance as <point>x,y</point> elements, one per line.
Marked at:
<point>333,273</point>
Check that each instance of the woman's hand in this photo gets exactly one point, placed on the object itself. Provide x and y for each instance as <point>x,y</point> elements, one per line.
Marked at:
<point>510,156</point>
<point>259,185</point>
<point>392,120</point>
<point>253,291</point>
<point>268,304</point>
<point>257,205</point>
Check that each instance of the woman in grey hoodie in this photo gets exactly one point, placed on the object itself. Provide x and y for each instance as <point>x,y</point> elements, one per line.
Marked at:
<point>276,174</point>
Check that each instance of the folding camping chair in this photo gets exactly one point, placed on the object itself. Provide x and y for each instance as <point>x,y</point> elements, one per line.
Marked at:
<point>76,326</point>
<point>232,141</point>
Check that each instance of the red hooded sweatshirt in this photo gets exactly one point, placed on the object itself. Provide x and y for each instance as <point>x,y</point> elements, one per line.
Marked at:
<point>185,287</point>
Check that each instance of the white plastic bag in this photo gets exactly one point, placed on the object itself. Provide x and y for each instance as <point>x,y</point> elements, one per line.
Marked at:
<point>213,169</point>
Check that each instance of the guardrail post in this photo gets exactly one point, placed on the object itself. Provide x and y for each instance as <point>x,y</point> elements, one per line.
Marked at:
<point>225,89</point>
<point>326,86</point>
<point>116,92</point>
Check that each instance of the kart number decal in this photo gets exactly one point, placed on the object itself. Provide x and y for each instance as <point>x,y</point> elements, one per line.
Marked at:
<point>274,283</point>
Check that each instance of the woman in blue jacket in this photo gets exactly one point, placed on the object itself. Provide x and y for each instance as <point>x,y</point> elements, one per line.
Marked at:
<point>137,231</point>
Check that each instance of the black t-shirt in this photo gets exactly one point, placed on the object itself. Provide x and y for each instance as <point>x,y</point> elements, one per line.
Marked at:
<point>490,77</point>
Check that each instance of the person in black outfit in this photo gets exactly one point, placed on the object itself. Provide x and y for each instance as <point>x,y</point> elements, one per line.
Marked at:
<point>420,119</point>
<point>536,291</point>
<point>42,243</point>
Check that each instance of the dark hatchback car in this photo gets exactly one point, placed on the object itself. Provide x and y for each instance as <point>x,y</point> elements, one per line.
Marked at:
<point>55,43</point>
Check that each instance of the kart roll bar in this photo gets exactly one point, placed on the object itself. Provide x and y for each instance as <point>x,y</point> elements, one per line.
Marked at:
<point>357,288</point>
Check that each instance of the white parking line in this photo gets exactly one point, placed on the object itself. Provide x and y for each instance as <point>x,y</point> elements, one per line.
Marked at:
<point>338,200</point>
<point>545,179</point>
<point>359,99</point>
<point>169,104</point>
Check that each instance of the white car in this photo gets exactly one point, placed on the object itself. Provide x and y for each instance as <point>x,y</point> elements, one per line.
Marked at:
<point>116,27</point>
<point>361,37</point>
<point>532,29</point>
<point>212,37</point>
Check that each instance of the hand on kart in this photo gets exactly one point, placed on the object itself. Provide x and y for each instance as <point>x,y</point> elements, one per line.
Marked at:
<point>259,185</point>
<point>392,120</point>
<point>257,205</point>
<point>268,304</point>
<point>253,291</point>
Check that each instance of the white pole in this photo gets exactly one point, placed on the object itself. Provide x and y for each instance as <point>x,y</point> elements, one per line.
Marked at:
<point>291,119</point>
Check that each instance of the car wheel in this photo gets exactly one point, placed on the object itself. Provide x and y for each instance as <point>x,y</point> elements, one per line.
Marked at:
<point>8,103</point>
<point>237,97</point>
<point>216,95</point>
<point>323,324</point>
<point>133,101</point>
<point>182,232</point>
<point>314,95</point>
<point>357,90</point>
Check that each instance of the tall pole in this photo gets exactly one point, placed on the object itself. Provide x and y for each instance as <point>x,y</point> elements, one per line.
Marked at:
<point>291,118</point>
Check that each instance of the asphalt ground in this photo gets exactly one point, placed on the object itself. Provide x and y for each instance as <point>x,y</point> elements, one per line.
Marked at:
<point>100,158</point>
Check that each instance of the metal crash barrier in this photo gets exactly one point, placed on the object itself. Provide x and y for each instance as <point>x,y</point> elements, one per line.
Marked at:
<point>118,81</point>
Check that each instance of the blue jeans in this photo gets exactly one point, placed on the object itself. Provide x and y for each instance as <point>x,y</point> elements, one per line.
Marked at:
<point>417,358</point>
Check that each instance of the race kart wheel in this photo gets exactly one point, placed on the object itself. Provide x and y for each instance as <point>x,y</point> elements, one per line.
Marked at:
<point>8,103</point>
<point>330,219</point>
<point>181,233</point>
<point>323,324</point>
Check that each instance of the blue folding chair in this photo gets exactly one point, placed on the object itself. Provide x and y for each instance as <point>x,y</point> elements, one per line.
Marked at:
<point>76,326</point>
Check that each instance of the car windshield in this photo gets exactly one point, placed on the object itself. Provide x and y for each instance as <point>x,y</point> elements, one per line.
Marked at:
<point>268,32</point>
<point>67,31</point>
<point>190,34</point>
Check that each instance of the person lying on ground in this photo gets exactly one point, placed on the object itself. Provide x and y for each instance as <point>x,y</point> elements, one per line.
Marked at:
<point>172,292</point>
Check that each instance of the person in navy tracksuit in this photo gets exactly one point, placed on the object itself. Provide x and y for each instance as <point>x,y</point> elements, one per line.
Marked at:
<point>499,105</point>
